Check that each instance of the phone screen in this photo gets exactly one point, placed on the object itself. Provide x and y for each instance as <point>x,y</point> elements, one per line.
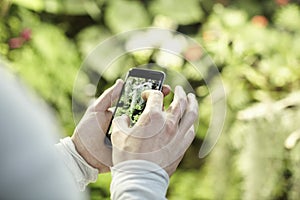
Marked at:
<point>131,102</point>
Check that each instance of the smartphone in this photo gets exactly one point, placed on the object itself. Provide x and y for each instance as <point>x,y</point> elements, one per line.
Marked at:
<point>130,101</point>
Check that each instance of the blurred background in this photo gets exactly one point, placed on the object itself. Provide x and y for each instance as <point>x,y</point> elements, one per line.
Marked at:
<point>255,45</point>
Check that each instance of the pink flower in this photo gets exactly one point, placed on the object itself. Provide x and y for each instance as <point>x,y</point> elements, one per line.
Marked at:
<point>15,43</point>
<point>26,34</point>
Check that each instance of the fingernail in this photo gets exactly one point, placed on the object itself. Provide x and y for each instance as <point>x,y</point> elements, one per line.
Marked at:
<point>192,95</point>
<point>119,81</point>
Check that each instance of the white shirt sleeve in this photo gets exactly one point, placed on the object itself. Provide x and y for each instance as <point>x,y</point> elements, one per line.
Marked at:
<point>82,172</point>
<point>138,179</point>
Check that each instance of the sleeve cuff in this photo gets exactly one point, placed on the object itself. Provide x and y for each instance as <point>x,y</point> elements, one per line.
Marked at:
<point>82,172</point>
<point>138,179</point>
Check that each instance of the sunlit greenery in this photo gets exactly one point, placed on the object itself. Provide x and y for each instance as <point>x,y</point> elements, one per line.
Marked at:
<point>255,45</point>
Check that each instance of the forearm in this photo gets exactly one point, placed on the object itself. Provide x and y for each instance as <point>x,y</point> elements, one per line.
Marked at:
<point>138,179</point>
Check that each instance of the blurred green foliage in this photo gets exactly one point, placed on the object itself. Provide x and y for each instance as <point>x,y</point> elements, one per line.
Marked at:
<point>255,45</point>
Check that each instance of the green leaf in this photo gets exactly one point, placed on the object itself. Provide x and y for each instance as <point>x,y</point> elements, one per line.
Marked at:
<point>183,12</point>
<point>90,37</point>
<point>73,7</point>
<point>48,63</point>
<point>36,5</point>
<point>126,15</point>
<point>288,18</point>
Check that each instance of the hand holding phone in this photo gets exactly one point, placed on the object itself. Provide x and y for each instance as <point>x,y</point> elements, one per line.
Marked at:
<point>160,136</point>
<point>92,128</point>
<point>91,131</point>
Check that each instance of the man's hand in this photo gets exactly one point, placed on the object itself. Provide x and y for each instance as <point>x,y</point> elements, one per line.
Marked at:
<point>89,135</point>
<point>161,137</point>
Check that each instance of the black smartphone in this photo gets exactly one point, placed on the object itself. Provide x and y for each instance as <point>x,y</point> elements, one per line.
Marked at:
<point>130,101</point>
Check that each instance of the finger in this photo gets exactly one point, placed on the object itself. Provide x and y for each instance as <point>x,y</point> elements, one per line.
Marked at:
<point>178,105</point>
<point>154,100</point>
<point>171,168</point>
<point>190,115</point>
<point>188,139</point>
<point>109,96</point>
<point>181,144</point>
<point>120,124</point>
<point>111,109</point>
<point>178,145</point>
<point>153,110</point>
<point>166,89</point>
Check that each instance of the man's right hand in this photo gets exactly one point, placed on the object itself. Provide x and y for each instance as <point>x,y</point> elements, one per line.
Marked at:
<point>161,137</point>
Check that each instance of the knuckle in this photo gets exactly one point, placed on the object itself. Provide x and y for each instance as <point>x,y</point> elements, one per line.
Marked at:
<point>155,113</point>
<point>170,125</point>
<point>182,101</point>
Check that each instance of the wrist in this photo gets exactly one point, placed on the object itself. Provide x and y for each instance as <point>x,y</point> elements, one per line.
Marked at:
<point>84,153</point>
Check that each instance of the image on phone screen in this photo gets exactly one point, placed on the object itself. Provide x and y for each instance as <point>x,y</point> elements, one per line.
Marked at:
<point>131,102</point>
